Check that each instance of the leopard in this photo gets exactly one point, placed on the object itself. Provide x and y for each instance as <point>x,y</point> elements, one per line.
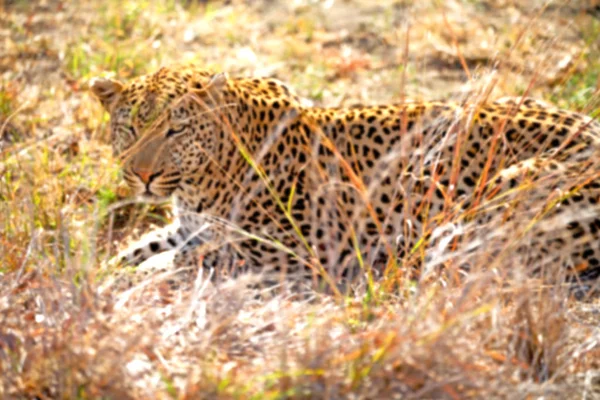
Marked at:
<point>262,181</point>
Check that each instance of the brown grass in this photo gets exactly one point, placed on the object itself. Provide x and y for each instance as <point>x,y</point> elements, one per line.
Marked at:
<point>492,334</point>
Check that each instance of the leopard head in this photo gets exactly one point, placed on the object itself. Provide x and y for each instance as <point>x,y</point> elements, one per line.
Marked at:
<point>162,125</point>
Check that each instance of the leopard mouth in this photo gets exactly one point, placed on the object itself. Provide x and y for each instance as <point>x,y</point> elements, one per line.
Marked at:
<point>154,191</point>
<point>161,189</point>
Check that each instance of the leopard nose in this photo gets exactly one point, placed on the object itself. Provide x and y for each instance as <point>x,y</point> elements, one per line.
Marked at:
<point>144,175</point>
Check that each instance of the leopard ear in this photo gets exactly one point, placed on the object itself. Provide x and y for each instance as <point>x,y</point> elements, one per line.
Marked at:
<point>213,88</point>
<point>217,83</point>
<point>106,90</point>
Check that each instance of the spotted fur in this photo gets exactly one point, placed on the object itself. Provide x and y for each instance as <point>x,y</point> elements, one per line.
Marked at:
<point>300,191</point>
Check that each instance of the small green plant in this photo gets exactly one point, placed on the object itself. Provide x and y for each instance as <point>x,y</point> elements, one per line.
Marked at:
<point>6,102</point>
<point>581,89</point>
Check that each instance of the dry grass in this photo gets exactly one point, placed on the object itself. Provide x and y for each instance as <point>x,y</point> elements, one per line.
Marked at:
<point>486,336</point>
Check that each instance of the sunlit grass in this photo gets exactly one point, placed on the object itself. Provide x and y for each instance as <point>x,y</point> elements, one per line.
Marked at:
<point>580,89</point>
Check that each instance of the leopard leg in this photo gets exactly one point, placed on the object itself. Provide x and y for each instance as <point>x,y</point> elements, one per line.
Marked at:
<point>172,237</point>
<point>175,267</point>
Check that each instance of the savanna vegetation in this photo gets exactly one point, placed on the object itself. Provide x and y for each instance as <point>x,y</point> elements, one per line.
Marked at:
<point>64,210</point>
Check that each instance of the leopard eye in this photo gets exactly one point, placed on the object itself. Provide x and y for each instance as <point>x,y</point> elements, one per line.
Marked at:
<point>125,135</point>
<point>176,130</point>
